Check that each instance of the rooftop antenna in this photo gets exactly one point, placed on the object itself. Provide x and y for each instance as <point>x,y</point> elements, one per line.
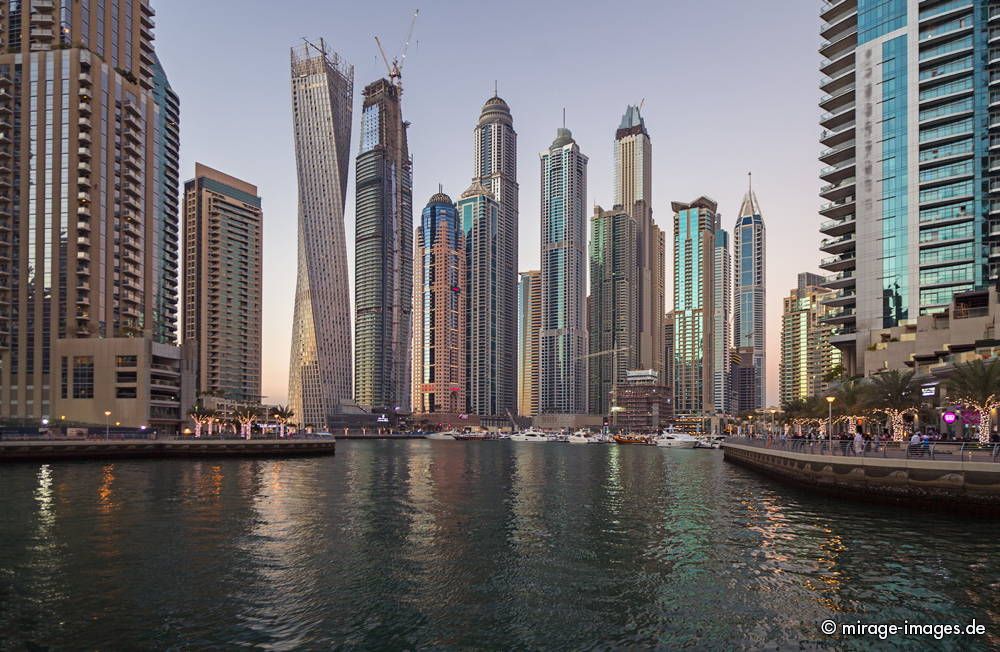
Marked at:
<point>496,92</point>
<point>564,117</point>
<point>395,68</point>
<point>750,181</point>
<point>641,103</point>
<point>440,188</point>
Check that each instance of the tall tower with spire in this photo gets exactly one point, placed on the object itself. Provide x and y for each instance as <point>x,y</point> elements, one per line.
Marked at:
<point>633,193</point>
<point>489,213</point>
<point>750,310</point>
<point>563,382</point>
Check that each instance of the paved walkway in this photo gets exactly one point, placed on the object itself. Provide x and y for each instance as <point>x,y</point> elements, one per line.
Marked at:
<point>943,450</point>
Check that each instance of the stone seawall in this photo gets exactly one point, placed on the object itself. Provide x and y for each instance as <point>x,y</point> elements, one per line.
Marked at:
<point>967,486</point>
<point>46,451</point>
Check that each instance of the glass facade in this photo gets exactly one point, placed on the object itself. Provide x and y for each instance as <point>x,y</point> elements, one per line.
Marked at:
<point>895,165</point>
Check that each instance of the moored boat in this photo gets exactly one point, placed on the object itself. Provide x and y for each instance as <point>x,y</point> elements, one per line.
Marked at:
<point>631,438</point>
<point>531,434</point>
<point>676,440</point>
<point>443,436</point>
<point>580,437</point>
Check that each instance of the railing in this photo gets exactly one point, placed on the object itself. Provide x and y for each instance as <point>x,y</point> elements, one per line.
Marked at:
<point>953,451</point>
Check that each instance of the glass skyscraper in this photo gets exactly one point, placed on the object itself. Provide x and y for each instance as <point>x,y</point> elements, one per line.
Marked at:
<point>319,374</point>
<point>563,382</point>
<point>529,326</point>
<point>912,186</point>
<point>439,323</point>
<point>749,312</point>
<point>383,264</point>
<point>490,217</point>
<point>695,265</point>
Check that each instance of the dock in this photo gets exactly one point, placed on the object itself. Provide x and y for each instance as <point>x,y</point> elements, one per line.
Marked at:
<point>946,476</point>
<point>42,450</point>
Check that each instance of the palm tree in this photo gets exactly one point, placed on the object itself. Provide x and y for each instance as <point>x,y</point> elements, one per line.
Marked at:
<point>852,397</point>
<point>976,385</point>
<point>245,416</point>
<point>200,415</point>
<point>283,415</point>
<point>895,394</point>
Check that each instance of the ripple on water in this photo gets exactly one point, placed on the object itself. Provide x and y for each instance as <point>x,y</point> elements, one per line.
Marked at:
<point>480,545</point>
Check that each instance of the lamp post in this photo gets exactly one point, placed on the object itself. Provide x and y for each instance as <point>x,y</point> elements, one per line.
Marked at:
<point>107,424</point>
<point>829,422</point>
<point>750,416</point>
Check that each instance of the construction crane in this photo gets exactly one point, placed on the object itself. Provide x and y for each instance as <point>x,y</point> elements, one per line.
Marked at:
<point>614,372</point>
<point>395,68</point>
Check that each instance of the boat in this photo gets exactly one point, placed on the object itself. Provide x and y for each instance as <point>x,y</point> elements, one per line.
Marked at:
<point>531,434</point>
<point>448,435</point>
<point>713,441</point>
<point>580,437</point>
<point>631,438</point>
<point>474,436</point>
<point>670,439</point>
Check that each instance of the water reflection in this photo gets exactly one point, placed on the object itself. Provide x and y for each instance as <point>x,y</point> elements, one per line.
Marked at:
<point>455,545</point>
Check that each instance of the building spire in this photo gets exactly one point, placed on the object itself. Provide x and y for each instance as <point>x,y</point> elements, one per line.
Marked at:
<point>750,205</point>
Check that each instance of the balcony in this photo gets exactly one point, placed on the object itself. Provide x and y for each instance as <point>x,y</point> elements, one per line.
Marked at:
<point>841,316</point>
<point>835,120</point>
<point>838,227</point>
<point>835,155</point>
<point>847,297</point>
<point>839,263</point>
<point>838,245</point>
<point>840,280</point>
<point>839,172</point>
<point>838,208</point>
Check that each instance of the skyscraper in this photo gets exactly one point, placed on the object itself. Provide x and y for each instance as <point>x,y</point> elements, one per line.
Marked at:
<point>383,264</point>
<point>633,183</point>
<point>912,191</point>
<point>493,261</point>
<point>695,264</point>
<point>563,381</point>
<point>613,304</point>
<point>86,233</point>
<point>223,229</point>
<point>439,324</point>
<point>319,374</point>
<point>749,314</point>
<point>166,191</point>
<point>487,366</point>
<point>667,375</point>
<point>529,327</point>
<point>722,311</point>
<point>807,357</point>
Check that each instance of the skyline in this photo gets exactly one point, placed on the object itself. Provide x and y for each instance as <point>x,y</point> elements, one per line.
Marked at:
<point>733,128</point>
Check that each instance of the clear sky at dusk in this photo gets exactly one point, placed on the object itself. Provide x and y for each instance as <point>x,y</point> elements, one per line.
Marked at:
<point>726,91</point>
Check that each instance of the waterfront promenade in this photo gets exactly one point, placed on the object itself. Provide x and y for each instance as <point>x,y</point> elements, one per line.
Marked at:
<point>947,475</point>
<point>18,450</point>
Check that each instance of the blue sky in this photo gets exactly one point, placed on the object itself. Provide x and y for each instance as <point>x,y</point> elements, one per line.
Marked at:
<point>726,90</point>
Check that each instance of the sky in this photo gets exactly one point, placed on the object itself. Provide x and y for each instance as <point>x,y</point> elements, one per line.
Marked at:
<point>724,90</point>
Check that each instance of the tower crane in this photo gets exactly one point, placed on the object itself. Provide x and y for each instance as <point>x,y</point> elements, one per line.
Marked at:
<point>395,69</point>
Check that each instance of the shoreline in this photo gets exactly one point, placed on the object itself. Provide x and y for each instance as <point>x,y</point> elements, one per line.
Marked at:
<point>91,449</point>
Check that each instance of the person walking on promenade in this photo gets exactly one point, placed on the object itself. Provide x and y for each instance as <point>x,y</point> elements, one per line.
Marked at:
<point>915,443</point>
<point>859,442</point>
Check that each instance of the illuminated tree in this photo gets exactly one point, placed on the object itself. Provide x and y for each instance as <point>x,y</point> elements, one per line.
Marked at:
<point>976,385</point>
<point>283,415</point>
<point>200,415</point>
<point>895,394</point>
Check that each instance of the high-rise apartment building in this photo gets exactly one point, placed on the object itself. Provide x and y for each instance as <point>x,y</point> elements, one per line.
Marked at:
<point>633,184</point>
<point>750,307</point>
<point>223,250</point>
<point>320,369</point>
<point>439,321</point>
<point>613,304</point>
<point>166,195</point>
<point>807,357</point>
<point>695,263</point>
<point>722,311</point>
<point>911,183</point>
<point>529,328</point>
<point>492,262</point>
<point>667,375</point>
<point>88,236</point>
<point>383,264</point>
<point>563,380</point>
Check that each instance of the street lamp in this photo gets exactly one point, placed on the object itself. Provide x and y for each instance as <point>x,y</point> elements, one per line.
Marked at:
<point>107,424</point>
<point>750,416</point>
<point>829,423</point>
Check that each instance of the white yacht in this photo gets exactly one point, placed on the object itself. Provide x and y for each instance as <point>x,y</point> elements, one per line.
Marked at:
<point>710,441</point>
<point>670,439</point>
<point>580,437</point>
<point>446,435</point>
<point>531,434</point>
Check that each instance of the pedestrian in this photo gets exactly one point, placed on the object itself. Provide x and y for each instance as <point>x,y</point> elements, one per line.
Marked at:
<point>915,443</point>
<point>859,442</point>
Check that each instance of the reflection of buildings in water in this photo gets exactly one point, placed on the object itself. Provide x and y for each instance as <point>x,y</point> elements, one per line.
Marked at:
<point>105,498</point>
<point>44,496</point>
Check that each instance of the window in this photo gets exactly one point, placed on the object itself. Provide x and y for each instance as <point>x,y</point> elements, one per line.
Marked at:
<point>126,361</point>
<point>83,377</point>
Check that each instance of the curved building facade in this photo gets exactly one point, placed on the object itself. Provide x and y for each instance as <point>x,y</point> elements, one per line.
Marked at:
<point>319,374</point>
